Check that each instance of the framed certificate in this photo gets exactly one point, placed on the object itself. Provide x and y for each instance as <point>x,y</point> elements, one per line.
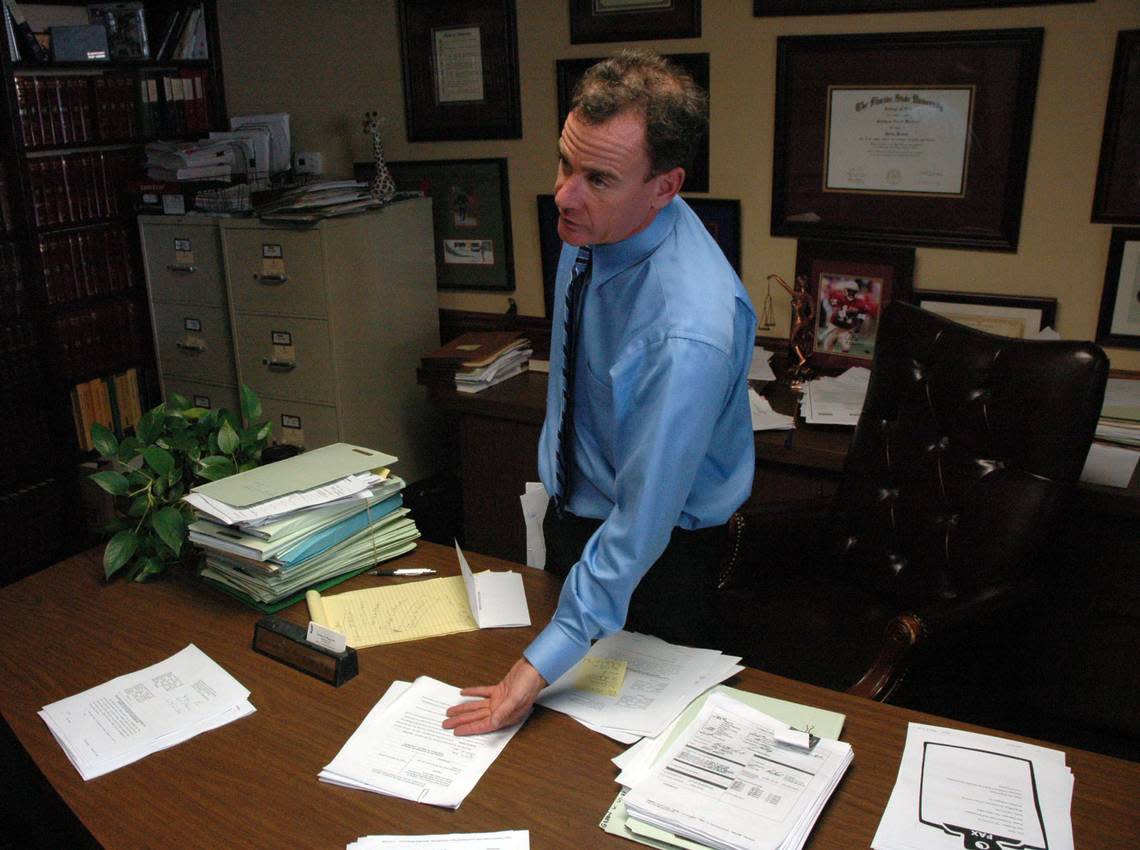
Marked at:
<point>912,138</point>
<point>633,20</point>
<point>1119,323</point>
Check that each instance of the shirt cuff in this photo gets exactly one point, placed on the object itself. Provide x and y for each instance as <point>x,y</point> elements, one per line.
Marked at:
<point>552,653</point>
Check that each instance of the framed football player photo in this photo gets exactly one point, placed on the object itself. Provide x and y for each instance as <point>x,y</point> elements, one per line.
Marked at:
<point>849,284</point>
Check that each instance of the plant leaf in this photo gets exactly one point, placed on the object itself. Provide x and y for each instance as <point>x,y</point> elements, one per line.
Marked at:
<point>215,466</point>
<point>250,405</point>
<point>105,442</point>
<point>113,482</point>
<point>159,459</point>
<point>120,549</point>
<point>176,402</point>
<point>228,440</point>
<point>140,504</point>
<point>148,567</point>
<point>149,426</point>
<point>171,528</point>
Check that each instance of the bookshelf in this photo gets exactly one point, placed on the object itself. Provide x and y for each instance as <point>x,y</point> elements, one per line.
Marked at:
<point>75,338</point>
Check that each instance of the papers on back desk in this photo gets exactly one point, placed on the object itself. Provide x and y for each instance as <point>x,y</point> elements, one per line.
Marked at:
<point>726,782</point>
<point>134,715</point>
<point>958,789</point>
<point>660,680</point>
<point>401,749</point>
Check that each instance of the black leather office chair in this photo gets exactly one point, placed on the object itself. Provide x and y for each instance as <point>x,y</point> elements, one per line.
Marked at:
<point>933,555</point>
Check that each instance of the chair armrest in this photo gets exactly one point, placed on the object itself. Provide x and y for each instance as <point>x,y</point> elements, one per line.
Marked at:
<point>944,622</point>
<point>768,537</point>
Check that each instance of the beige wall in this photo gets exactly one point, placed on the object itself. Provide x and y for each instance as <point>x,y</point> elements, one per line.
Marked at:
<point>325,63</point>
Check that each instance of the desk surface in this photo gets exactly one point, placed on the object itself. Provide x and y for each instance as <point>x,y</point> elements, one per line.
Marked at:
<point>253,783</point>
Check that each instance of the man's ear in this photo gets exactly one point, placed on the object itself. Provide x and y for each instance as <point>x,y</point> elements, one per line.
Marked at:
<point>669,183</point>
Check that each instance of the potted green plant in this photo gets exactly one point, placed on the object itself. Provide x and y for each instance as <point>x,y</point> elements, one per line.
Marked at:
<point>174,447</point>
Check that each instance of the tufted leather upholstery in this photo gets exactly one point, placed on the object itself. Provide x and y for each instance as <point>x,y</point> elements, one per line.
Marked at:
<point>938,536</point>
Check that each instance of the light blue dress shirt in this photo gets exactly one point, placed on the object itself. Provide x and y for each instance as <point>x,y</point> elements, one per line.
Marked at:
<point>662,430</point>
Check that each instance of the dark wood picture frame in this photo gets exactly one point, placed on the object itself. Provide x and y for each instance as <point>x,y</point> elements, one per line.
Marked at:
<point>1016,316</point>
<point>447,95</point>
<point>550,248</point>
<point>471,212</point>
<point>980,83</point>
<point>722,218</point>
<point>849,285</point>
<point>569,71</point>
<point>1117,199</point>
<point>1119,323</point>
<point>640,20</point>
<point>776,8</point>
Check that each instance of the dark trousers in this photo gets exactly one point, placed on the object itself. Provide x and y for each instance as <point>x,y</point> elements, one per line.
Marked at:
<point>674,601</point>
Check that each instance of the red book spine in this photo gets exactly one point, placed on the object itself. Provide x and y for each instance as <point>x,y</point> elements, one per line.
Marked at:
<point>25,106</point>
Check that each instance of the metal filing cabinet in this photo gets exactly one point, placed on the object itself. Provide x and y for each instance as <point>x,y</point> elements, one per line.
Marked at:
<point>328,324</point>
<point>189,309</point>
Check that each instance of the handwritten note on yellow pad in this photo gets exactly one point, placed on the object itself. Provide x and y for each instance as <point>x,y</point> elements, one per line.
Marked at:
<point>601,676</point>
<point>396,613</point>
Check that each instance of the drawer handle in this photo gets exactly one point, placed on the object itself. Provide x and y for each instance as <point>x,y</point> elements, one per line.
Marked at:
<point>270,279</point>
<point>196,348</point>
<point>175,267</point>
<point>280,365</point>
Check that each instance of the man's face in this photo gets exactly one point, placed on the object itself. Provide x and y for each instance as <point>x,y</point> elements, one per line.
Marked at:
<point>603,189</point>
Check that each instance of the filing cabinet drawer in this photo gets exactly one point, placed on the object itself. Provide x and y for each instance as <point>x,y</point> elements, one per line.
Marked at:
<point>204,395</point>
<point>193,341</point>
<point>286,357</point>
<point>300,424</point>
<point>275,271</point>
<point>184,263</point>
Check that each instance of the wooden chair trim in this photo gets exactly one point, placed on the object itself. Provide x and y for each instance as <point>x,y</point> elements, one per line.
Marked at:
<point>902,634</point>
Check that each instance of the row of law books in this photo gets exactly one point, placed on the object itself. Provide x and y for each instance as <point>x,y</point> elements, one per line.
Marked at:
<point>101,337</point>
<point>112,401</point>
<point>85,263</point>
<point>304,523</point>
<point>476,360</point>
<point>78,187</point>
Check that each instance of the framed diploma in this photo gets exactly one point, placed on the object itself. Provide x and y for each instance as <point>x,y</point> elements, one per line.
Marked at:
<point>570,71</point>
<point>849,285</point>
<point>771,8</point>
<point>1117,198</point>
<point>633,20</point>
<point>910,138</point>
<point>1017,316</point>
<point>1119,324</point>
<point>461,69</point>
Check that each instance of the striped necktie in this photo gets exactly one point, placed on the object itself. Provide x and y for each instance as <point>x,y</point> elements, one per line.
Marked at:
<point>564,457</point>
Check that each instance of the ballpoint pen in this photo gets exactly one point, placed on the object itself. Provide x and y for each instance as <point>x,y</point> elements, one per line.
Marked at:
<point>409,571</point>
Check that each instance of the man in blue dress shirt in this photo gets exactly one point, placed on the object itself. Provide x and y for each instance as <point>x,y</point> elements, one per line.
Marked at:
<point>660,438</point>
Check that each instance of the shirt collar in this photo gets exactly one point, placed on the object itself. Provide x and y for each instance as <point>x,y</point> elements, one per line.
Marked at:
<point>612,259</point>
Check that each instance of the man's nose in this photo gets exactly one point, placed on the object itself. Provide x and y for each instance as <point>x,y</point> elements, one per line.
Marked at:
<point>565,191</point>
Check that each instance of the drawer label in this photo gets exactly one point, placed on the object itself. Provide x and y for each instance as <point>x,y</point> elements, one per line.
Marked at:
<point>183,252</point>
<point>202,401</point>
<point>192,324</point>
<point>281,337</point>
<point>292,434</point>
<point>272,260</point>
<point>289,421</point>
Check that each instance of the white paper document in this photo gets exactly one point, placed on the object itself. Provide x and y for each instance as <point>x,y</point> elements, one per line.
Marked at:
<point>511,839</point>
<point>961,789</point>
<point>761,368</point>
<point>764,418</point>
<point>658,680</point>
<point>727,783</point>
<point>402,750</point>
<point>497,599</point>
<point>1110,466</point>
<point>134,715</point>
<point>835,401</point>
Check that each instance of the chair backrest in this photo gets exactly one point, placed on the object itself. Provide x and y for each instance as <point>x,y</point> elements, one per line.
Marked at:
<point>965,448</point>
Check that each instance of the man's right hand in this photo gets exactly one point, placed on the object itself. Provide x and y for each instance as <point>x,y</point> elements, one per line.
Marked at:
<point>504,704</point>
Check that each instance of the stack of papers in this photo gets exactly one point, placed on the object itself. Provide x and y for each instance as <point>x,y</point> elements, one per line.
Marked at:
<point>764,418</point>
<point>1120,414</point>
<point>401,749</point>
<point>476,360</point>
<point>509,364</point>
<point>423,609</point>
<point>761,368</point>
<point>201,160</point>
<point>120,721</point>
<point>314,201</point>
<point>961,789</point>
<point>308,521</point>
<point>731,776</point>
<point>631,685</point>
<point>835,401</point>
<point>511,839</point>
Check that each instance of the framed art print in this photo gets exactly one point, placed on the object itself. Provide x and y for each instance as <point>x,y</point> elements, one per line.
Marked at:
<point>1119,323</point>
<point>1117,198</point>
<point>633,20</point>
<point>1017,316</point>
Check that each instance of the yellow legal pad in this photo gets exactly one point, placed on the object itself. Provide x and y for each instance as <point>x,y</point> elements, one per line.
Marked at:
<point>393,614</point>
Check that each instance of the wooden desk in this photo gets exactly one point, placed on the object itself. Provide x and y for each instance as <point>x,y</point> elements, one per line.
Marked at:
<point>499,430</point>
<point>253,783</point>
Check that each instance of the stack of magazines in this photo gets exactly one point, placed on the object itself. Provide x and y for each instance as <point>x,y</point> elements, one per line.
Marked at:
<point>476,360</point>
<point>308,522</point>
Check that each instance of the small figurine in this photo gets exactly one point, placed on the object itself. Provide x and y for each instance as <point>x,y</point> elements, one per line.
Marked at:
<point>383,187</point>
<point>803,311</point>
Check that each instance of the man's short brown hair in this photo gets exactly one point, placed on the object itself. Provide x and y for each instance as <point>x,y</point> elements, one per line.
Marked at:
<point>674,107</point>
